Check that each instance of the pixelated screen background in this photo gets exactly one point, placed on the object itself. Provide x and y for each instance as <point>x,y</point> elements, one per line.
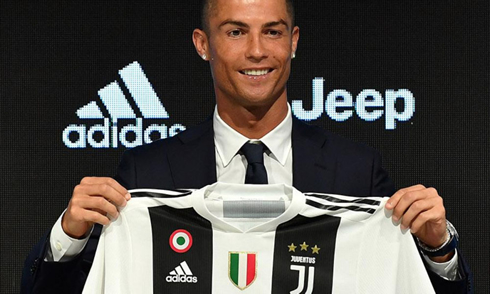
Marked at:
<point>55,57</point>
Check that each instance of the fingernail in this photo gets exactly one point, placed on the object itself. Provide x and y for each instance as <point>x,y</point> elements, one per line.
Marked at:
<point>389,205</point>
<point>112,218</point>
<point>396,219</point>
<point>127,196</point>
<point>403,227</point>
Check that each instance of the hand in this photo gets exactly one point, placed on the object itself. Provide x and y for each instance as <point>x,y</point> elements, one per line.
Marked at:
<point>421,210</point>
<point>93,201</point>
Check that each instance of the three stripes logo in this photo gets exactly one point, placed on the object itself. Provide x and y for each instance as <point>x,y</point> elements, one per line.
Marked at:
<point>181,274</point>
<point>112,132</point>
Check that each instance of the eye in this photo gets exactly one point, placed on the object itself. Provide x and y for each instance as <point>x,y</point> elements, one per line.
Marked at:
<point>235,33</point>
<point>274,33</point>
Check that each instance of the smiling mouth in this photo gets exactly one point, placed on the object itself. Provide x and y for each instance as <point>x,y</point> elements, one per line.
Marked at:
<point>256,72</point>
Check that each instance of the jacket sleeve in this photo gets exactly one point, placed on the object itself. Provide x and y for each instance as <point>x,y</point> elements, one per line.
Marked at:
<point>459,286</point>
<point>40,276</point>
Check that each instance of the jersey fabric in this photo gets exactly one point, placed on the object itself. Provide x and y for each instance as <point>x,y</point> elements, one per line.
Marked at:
<point>229,238</point>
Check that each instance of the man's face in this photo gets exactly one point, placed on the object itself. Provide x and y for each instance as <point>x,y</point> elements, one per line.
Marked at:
<point>250,44</point>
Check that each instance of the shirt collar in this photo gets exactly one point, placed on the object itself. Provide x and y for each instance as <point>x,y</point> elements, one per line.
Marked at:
<point>228,141</point>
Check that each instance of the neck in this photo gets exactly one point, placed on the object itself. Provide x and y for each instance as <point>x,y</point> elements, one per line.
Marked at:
<point>256,121</point>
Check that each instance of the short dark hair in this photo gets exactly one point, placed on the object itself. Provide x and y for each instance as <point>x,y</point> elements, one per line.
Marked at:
<point>207,7</point>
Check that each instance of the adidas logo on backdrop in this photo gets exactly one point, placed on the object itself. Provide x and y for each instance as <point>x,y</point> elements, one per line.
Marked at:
<point>181,274</point>
<point>110,133</point>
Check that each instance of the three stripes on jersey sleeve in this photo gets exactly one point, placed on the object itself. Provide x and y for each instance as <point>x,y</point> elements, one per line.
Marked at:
<point>340,203</point>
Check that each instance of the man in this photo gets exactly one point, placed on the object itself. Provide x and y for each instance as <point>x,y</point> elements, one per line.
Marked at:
<point>249,45</point>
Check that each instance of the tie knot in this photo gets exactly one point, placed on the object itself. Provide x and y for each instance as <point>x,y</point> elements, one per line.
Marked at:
<point>254,152</point>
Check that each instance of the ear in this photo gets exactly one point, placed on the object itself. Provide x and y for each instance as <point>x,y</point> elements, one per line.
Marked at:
<point>200,40</point>
<point>294,39</point>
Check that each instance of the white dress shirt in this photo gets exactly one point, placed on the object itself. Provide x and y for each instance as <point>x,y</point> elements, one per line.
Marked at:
<point>231,167</point>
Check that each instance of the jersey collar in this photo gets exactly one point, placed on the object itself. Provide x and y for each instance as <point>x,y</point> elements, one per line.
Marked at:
<point>220,192</point>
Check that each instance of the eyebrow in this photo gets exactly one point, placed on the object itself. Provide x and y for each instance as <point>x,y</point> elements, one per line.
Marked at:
<point>276,23</point>
<point>233,22</point>
<point>244,25</point>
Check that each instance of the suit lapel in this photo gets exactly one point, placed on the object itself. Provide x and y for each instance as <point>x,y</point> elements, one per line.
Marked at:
<point>193,163</point>
<point>313,170</point>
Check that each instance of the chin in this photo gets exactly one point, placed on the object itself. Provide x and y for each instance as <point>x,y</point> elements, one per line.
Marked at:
<point>260,103</point>
<point>260,97</point>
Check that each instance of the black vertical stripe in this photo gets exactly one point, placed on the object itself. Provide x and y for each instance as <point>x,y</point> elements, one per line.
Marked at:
<point>164,221</point>
<point>320,231</point>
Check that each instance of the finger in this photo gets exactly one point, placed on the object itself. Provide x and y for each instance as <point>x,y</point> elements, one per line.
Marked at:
<point>433,216</point>
<point>103,190</point>
<point>393,201</point>
<point>95,217</point>
<point>108,215</point>
<point>107,181</point>
<point>415,209</point>
<point>406,201</point>
<point>100,205</point>
<point>99,211</point>
<point>83,211</point>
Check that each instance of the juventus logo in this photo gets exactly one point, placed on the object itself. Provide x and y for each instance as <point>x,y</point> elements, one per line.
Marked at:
<point>301,279</point>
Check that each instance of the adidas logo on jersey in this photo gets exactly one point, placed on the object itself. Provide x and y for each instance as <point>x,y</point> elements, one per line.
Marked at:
<point>181,274</point>
<point>113,132</point>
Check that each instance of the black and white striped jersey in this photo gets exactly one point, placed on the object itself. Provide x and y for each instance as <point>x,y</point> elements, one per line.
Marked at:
<point>229,238</point>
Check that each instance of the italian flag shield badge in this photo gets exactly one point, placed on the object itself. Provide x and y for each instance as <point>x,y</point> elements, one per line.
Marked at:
<point>242,268</point>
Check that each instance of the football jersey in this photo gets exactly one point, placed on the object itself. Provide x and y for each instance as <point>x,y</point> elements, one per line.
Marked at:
<point>230,238</point>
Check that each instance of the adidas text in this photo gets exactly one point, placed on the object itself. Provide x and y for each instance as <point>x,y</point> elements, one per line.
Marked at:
<point>106,135</point>
<point>181,279</point>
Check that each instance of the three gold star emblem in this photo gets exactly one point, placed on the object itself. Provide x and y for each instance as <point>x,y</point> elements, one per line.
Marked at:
<point>304,247</point>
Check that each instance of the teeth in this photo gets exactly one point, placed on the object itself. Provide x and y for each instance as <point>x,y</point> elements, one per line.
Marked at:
<point>256,72</point>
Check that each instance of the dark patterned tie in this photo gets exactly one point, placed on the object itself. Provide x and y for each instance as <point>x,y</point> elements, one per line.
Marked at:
<point>254,153</point>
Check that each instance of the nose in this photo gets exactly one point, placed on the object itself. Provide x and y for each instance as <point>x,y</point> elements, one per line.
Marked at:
<point>256,49</point>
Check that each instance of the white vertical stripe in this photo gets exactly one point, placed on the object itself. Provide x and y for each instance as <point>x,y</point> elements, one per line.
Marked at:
<point>242,270</point>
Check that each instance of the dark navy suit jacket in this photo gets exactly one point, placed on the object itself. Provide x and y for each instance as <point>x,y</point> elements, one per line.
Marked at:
<point>322,162</point>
